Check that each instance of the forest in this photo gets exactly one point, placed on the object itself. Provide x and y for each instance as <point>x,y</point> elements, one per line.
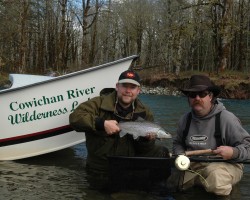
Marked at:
<point>170,36</point>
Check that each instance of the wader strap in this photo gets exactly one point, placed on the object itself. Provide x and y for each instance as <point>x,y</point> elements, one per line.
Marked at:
<point>217,132</point>
<point>186,130</point>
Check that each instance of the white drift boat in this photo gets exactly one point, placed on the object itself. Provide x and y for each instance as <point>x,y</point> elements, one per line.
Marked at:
<point>35,110</point>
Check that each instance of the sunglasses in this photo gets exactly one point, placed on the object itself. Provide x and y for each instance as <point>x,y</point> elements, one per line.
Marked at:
<point>201,94</point>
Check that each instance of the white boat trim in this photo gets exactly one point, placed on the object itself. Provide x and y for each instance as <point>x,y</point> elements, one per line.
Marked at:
<point>19,80</point>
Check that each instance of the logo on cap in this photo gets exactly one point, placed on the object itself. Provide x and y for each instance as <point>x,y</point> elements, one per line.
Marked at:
<point>130,75</point>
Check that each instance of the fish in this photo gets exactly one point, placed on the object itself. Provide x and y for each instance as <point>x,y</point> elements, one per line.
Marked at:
<point>141,128</point>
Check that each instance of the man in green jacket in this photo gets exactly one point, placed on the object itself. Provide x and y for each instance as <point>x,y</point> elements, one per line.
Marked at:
<point>99,118</point>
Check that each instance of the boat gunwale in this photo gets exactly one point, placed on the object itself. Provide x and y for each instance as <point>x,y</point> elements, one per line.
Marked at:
<point>133,57</point>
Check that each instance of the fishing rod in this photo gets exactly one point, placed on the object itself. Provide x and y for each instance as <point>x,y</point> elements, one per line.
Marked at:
<point>215,159</point>
<point>182,162</point>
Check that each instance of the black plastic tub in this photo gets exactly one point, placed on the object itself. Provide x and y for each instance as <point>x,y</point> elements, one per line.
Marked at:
<point>143,173</point>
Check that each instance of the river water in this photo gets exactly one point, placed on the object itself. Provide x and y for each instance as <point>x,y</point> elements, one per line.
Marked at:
<point>62,175</point>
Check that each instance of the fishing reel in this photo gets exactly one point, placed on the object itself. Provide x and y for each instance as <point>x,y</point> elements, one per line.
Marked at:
<point>182,162</point>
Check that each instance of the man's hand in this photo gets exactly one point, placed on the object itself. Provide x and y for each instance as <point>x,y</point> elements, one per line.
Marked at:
<point>151,136</point>
<point>111,127</point>
<point>226,152</point>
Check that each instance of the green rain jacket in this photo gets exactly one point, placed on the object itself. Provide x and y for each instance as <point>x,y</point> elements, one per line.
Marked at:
<point>99,144</point>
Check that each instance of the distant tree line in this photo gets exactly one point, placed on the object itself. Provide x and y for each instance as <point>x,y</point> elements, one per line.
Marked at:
<point>37,36</point>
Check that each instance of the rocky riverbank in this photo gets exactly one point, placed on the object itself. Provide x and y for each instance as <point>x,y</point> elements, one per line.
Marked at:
<point>241,92</point>
<point>232,87</point>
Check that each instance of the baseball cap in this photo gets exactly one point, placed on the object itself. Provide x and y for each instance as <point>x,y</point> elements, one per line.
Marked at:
<point>129,76</point>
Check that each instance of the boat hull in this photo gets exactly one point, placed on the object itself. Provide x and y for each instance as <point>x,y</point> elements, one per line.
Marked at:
<point>35,117</point>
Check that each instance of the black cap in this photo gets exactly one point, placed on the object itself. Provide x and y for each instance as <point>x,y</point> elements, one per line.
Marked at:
<point>129,76</point>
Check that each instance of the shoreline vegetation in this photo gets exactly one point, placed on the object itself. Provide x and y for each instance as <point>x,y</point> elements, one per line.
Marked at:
<point>233,85</point>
